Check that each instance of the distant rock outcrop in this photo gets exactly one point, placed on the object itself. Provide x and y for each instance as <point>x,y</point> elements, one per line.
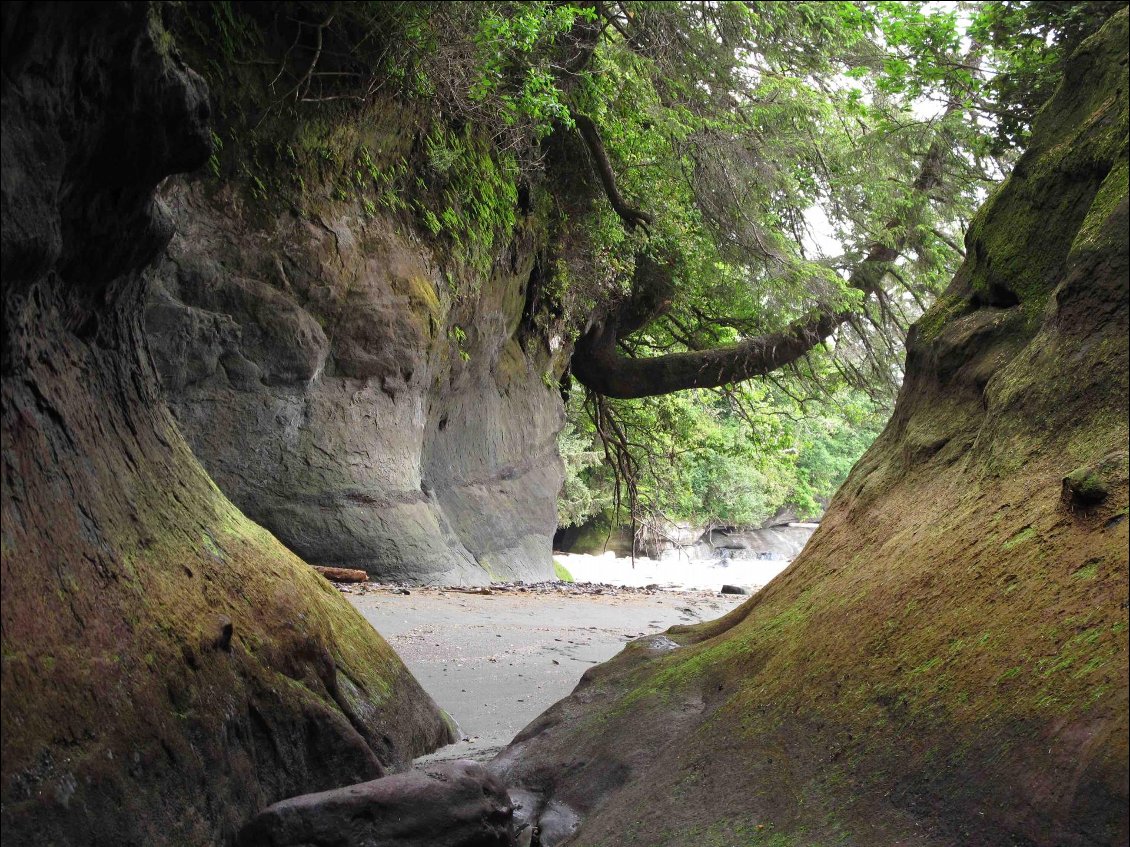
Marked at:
<point>946,663</point>
<point>774,541</point>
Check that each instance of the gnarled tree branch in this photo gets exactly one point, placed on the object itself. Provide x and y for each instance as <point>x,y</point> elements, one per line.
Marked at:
<point>631,217</point>
<point>600,365</point>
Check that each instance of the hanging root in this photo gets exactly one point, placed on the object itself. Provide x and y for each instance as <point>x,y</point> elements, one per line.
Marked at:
<point>625,467</point>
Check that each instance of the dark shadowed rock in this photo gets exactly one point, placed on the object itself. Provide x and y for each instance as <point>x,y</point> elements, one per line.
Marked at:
<point>1089,485</point>
<point>733,589</point>
<point>456,804</point>
<point>168,667</point>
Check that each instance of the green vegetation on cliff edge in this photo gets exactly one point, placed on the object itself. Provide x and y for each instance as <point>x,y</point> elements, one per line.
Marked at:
<point>700,179</point>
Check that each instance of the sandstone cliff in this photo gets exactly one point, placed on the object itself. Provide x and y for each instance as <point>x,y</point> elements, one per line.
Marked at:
<point>346,377</point>
<point>326,380</point>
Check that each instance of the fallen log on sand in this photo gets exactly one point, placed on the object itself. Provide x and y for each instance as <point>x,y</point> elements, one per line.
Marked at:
<point>342,574</point>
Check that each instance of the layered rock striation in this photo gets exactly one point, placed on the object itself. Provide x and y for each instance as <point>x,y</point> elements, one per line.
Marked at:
<point>327,379</point>
<point>347,375</point>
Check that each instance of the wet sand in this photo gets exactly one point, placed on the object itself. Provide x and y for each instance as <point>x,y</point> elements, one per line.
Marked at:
<point>496,661</point>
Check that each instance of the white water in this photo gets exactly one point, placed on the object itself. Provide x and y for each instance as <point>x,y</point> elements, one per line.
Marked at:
<point>672,572</point>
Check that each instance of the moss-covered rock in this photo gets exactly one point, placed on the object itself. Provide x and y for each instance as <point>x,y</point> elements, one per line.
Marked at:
<point>168,667</point>
<point>1089,485</point>
<point>946,663</point>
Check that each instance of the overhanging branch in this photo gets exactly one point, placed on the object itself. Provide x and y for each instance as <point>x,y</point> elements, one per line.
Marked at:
<point>599,364</point>
<point>631,216</point>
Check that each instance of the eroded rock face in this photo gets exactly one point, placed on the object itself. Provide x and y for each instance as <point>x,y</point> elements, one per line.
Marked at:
<point>168,667</point>
<point>337,390</point>
<point>946,662</point>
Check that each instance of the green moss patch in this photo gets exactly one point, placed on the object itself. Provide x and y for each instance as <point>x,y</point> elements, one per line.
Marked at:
<point>562,572</point>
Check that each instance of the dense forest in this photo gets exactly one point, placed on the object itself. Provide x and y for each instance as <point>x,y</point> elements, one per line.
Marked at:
<point>398,290</point>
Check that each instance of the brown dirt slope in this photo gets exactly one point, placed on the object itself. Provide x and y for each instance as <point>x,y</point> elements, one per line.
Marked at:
<point>168,667</point>
<point>946,663</point>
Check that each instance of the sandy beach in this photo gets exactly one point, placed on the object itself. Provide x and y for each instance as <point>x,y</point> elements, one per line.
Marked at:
<point>495,661</point>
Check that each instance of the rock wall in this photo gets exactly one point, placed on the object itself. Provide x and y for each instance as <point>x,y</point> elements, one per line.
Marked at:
<point>352,395</point>
<point>168,667</point>
<point>946,662</point>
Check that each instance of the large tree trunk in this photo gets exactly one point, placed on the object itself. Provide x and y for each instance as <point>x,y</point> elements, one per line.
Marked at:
<point>168,667</point>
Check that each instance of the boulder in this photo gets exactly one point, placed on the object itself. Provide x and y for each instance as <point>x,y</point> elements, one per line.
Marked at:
<point>456,804</point>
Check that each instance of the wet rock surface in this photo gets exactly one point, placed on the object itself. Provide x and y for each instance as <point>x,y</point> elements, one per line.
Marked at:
<point>454,804</point>
<point>536,821</point>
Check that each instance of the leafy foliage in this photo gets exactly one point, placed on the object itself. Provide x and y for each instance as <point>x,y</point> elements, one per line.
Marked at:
<point>721,458</point>
<point>583,493</point>
<point>1031,41</point>
<point>470,195</point>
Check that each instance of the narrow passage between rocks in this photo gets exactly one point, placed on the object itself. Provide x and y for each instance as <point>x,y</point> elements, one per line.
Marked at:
<point>495,661</point>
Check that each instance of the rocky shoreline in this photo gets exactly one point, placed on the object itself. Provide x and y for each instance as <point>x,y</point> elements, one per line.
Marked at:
<point>586,589</point>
